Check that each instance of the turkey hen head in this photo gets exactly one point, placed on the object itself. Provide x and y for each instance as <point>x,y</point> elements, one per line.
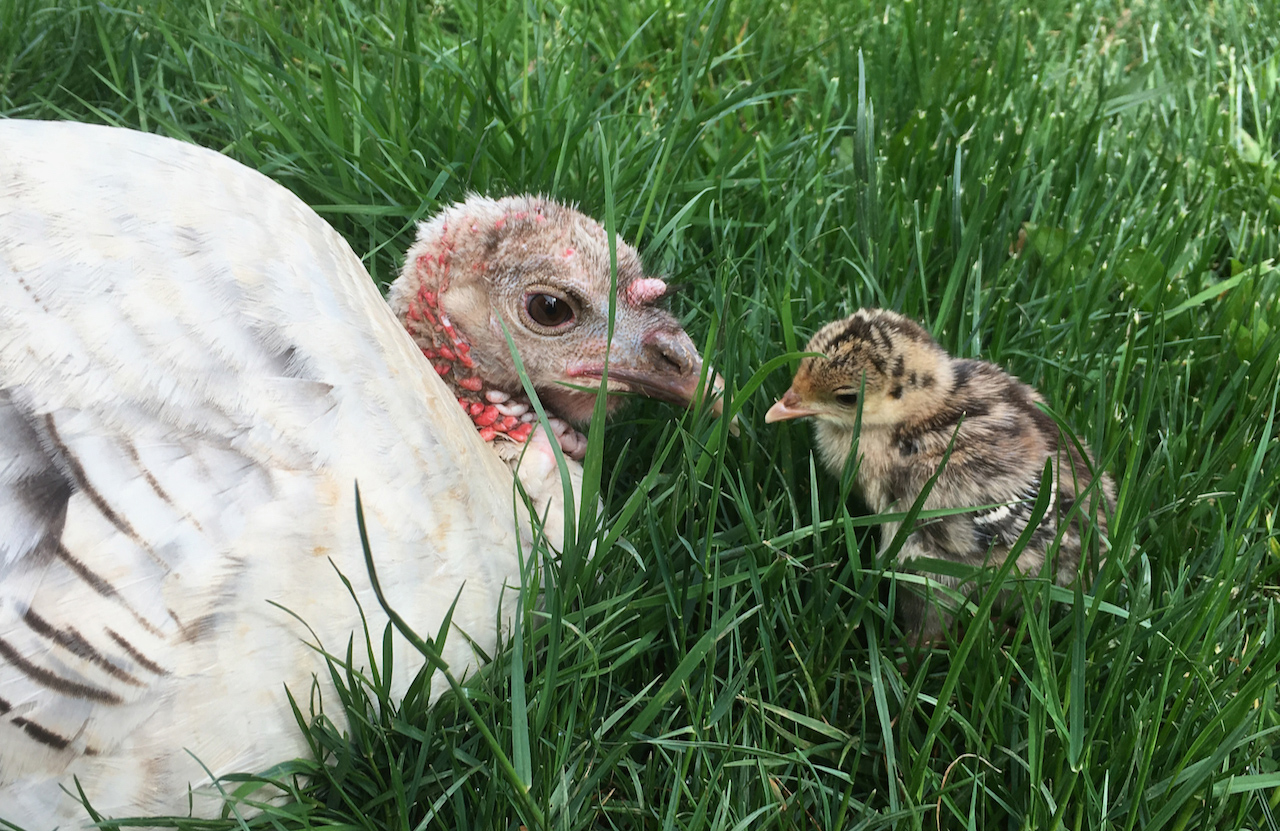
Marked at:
<point>541,270</point>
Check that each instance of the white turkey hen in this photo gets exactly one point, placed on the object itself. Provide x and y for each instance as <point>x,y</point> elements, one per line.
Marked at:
<point>194,371</point>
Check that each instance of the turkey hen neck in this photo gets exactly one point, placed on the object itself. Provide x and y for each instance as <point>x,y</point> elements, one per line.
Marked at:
<point>542,271</point>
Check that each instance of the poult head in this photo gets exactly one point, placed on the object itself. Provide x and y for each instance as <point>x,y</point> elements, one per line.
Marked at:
<point>874,357</point>
<point>540,269</point>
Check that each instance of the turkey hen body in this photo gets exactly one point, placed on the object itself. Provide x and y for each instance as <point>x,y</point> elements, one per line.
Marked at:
<point>194,371</point>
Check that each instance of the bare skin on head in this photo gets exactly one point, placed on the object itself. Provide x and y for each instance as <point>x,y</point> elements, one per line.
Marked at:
<point>915,398</point>
<point>543,270</point>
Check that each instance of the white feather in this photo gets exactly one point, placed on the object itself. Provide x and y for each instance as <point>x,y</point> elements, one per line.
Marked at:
<point>205,369</point>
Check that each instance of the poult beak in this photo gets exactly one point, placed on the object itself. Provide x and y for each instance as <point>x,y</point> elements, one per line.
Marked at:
<point>788,407</point>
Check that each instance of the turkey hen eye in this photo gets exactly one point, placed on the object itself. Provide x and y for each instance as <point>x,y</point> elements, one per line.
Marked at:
<point>548,310</point>
<point>849,399</point>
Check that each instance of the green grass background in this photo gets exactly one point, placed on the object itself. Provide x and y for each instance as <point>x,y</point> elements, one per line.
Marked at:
<point>1084,192</point>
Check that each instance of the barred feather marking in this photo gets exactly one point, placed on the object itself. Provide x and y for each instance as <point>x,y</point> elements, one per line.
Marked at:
<point>72,641</point>
<point>1005,523</point>
<point>53,681</point>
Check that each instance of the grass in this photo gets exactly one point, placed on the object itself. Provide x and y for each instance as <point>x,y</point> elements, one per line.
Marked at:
<point>1086,193</point>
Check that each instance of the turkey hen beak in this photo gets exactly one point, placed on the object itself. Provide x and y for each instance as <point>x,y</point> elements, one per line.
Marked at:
<point>787,407</point>
<point>672,373</point>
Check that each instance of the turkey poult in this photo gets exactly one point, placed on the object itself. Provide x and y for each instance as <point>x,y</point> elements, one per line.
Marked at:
<point>916,404</point>
<point>195,369</point>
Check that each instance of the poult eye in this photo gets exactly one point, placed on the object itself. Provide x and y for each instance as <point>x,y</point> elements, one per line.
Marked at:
<point>848,399</point>
<point>548,310</point>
